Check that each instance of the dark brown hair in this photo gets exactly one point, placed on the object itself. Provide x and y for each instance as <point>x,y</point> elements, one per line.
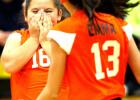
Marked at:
<point>118,8</point>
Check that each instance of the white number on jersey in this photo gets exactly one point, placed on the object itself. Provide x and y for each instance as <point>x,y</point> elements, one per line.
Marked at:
<point>42,57</point>
<point>111,58</point>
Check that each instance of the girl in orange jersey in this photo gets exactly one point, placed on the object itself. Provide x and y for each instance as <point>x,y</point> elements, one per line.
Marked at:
<point>98,44</point>
<point>24,54</point>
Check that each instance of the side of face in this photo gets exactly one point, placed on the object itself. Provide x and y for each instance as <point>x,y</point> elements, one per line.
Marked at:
<point>47,7</point>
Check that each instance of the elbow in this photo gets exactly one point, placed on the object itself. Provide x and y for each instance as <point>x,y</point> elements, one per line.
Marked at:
<point>52,95</point>
<point>47,96</point>
<point>8,65</point>
<point>8,68</point>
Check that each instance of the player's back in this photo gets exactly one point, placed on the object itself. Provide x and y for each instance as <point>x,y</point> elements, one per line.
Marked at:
<point>96,64</point>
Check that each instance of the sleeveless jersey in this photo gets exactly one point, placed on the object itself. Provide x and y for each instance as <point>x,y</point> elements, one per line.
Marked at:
<point>96,65</point>
<point>27,83</point>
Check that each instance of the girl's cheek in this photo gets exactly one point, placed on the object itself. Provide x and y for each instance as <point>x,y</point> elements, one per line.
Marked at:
<point>54,20</point>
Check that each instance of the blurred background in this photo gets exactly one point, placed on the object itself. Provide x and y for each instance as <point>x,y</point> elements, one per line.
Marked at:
<point>11,19</point>
<point>132,87</point>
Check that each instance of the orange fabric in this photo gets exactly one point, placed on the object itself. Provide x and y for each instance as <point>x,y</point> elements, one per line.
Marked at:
<point>62,1</point>
<point>28,82</point>
<point>81,62</point>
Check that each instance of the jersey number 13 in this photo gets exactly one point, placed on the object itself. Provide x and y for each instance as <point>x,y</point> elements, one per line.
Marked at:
<point>114,58</point>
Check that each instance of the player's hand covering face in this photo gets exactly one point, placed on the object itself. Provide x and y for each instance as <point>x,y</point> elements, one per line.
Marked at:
<point>34,26</point>
<point>45,24</point>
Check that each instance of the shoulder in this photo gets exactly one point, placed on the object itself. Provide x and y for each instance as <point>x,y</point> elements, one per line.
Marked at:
<point>14,35</point>
<point>71,24</point>
<point>126,27</point>
<point>64,39</point>
<point>66,25</point>
<point>110,18</point>
<point>119,23</point>
<point>22,32</point>
<point>20,35</point>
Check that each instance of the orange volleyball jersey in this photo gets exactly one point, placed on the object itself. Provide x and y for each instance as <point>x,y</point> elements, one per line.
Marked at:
<point>27,83</point>
<point>96,64</point>
<point>62,1</point>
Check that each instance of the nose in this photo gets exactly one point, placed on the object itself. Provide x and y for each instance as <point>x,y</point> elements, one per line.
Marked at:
<point>41,11</point>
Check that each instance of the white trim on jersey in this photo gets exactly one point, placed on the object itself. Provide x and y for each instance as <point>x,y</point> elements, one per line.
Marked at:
<point>15,36</point>
<point>128,30</point>
<point>65,40</point>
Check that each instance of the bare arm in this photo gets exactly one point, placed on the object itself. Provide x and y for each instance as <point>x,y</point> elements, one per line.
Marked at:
<point>56,70</point>
<point>57,57</point>
<point>15,55</point>
<point>134,59</point>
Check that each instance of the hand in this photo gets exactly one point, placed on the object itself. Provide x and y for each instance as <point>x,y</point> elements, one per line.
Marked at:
<point>34,27</point>
<point>44,24</point>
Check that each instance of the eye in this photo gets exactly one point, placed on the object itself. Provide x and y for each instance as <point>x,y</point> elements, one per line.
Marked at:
<point>48,10</point>
<point>35,11</point>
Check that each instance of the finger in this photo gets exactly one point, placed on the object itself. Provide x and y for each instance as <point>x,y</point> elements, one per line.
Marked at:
<point>47,22</point>
<point>40,25</point>
<point>42,16</point>
<point>34,24</point>
<point>37,17</point>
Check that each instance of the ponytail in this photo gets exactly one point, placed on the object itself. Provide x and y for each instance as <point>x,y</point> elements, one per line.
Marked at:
<point>89,7</point>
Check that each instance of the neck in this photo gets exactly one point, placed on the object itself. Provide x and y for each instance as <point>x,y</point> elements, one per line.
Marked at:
<point>70,7</point>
